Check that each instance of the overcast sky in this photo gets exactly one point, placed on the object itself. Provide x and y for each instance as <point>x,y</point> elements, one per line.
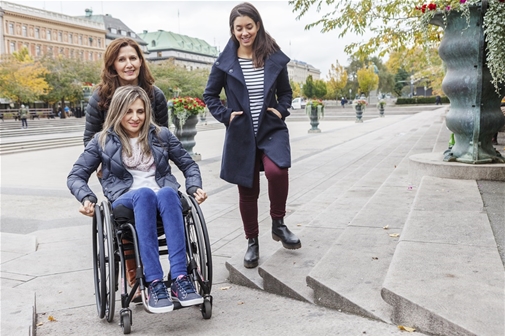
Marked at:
<point>208,20</point>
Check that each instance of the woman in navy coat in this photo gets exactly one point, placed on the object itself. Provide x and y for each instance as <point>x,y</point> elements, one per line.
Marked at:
<point>253,71</point>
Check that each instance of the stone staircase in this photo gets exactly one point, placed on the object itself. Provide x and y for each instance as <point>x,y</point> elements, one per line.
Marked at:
<point>349,203</point>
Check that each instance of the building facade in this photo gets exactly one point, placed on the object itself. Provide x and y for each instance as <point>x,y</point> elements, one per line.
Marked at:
<point>188,52</point>
<point>43,32</point>
<point>299,71</point>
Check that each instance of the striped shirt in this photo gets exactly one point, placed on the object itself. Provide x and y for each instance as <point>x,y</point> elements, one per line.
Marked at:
<point>254,80</point>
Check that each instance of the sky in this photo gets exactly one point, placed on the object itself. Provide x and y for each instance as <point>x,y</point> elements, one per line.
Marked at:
<point>208,20</point>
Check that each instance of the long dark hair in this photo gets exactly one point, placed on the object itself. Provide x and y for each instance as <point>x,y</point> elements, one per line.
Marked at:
<point>264,45</point>
<point>110,78</point>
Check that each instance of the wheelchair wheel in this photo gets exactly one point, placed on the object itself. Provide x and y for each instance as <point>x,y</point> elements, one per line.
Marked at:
<point>99,262</point>
<point>111,262</point>
<point>126,320</point>
<point>200,247</point>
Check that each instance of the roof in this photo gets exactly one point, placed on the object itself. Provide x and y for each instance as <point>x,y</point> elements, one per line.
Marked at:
<point>162,40</point>
<point>115,28</point>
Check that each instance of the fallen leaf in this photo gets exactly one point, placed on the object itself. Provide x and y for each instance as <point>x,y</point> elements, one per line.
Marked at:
<point>298,224</point>
<point>51,318</point>
<point>40,324</point>
<point>409,188</point>
<point>240,303</point>
<point>225,288</point>
<point>385,227</point>
<point>409,329</point>
<point>394,235</point>
<point>375,258</point>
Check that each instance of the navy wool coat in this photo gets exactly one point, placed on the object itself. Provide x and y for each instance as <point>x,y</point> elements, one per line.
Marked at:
<point>116,180</point>
<point>240,144</point>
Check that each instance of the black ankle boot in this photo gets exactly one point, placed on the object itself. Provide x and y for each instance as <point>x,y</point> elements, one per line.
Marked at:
<point>282,233</point>
<point>252,254</point>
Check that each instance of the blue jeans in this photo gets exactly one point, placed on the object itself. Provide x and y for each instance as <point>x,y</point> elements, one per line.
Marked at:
<point>146,204</point>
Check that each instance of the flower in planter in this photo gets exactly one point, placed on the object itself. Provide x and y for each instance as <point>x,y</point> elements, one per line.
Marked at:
<point>494,29</point>
<point>381,104</point>
<point>360,102</point>
<point>314,104</point>
<point>184,107</point>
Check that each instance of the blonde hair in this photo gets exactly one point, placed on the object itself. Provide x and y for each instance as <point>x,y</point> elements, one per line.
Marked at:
<point>121,101</point>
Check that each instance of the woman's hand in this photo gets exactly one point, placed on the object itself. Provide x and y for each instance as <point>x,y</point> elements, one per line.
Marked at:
<point>200,196</point>
<point>234,114</point>
<point>274,111</point>
<point>87,208</point>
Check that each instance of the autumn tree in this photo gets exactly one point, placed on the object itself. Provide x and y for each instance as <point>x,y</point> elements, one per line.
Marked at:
<point>337,80</point>
<point>22,78</point>
<point>368,80</point>
<point>297,91</point>
<point>170,78</point>
<point>66,77</point>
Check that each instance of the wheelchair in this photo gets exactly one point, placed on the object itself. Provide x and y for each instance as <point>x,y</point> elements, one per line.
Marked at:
<point>114,234</point>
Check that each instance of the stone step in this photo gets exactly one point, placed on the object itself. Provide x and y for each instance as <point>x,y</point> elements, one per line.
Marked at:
<point>446,264</point>
<point>315,177</point>
<point>281,275</point>
<point>355,286</point>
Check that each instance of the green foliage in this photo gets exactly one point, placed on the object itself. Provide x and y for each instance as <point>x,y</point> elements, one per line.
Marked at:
<point>400,81</point>
<point>177,81</point>
<point>319,89</point>
<point>309,87</point>
<point>337,80</point>
<point>297,91</point>
<point>368,80</point>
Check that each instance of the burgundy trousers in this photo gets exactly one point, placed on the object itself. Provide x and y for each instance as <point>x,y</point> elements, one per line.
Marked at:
<point>278,184</point>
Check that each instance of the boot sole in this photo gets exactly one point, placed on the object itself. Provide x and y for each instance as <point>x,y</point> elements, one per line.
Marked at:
<point>286,245</point>
<point>251,264</point>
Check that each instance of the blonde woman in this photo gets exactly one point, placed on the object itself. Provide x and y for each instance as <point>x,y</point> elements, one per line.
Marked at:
<point>134,155</point>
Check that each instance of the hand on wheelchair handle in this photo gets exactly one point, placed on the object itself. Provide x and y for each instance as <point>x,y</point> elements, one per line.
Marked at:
<point>87,208</point>
<point>200,196</point>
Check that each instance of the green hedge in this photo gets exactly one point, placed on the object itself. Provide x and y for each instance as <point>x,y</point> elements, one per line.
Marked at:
<point>420,100</point>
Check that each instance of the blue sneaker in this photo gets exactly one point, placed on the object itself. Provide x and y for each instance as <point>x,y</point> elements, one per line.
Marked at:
<point>183,291</point>
<point>158,300</point>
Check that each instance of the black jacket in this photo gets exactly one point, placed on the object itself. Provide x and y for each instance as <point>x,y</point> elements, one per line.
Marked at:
<point>95,117</point>
<point>116,180</point>
<point>240,143</point>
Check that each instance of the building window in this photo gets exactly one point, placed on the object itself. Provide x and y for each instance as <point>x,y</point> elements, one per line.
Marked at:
<point>123,33</point>
<point>80,39</point>
<point>99,56</point>
<point>113,30</point>
<point>49,35</point>
<point>90,56</point>
<point>50,51</point>
<point>99,43</point>
<point>37,33</point>
<point>72,53</point>
<point>37,50</point>
<point>90,41</point>
<point>12,47</point>
<point>60,36</point>
<point>153,43</point>
<point>70,38</point>
<point>159,54</point>
<point>62,51</point>
<point>24,31</point>
<point>81,55</point>
<point>132,34</point>
<point>11,28</point>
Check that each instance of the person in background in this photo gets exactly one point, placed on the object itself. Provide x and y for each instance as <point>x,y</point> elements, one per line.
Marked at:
<point>23,115</point>
<point>253,71</point>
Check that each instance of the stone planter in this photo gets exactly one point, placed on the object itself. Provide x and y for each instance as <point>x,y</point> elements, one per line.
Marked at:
<point>359,113</point>
<point>314,114</point>
<point>186,134</point>
<point>381,111</point>
<point>474,115</point>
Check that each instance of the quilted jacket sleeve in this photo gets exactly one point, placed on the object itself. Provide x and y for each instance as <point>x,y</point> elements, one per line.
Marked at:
<point>86,164</point>
<point>94,118</point>
<point>160,108</point>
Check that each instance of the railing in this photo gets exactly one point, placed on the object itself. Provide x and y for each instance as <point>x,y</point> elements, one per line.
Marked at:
<point>34,113</point>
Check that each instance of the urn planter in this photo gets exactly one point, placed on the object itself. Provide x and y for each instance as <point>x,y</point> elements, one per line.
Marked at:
<point>186,133</point>
<point>359,113</point>
<point>314,113</point>
<point>474,114</point>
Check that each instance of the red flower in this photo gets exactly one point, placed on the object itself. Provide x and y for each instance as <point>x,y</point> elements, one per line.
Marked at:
<point>432,6</point>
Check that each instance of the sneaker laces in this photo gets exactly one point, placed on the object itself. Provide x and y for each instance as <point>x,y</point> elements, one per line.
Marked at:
<point>184,283</point>
<point>158,289</point>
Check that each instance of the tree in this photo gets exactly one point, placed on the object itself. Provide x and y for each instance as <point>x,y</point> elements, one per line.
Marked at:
<point>308,87</point>
<point>297,91</point>
<point>66,77</point>
<point>319,88</point>
<point>368,80</point>
<point>170,78</point>
<point>337,81</point>
<point>22,78</point>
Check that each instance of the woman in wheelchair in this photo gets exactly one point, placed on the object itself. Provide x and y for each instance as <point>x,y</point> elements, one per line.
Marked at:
<point>134,154</point>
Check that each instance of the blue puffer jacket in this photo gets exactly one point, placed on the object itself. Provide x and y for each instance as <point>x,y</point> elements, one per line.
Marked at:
<point>116,180</point>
